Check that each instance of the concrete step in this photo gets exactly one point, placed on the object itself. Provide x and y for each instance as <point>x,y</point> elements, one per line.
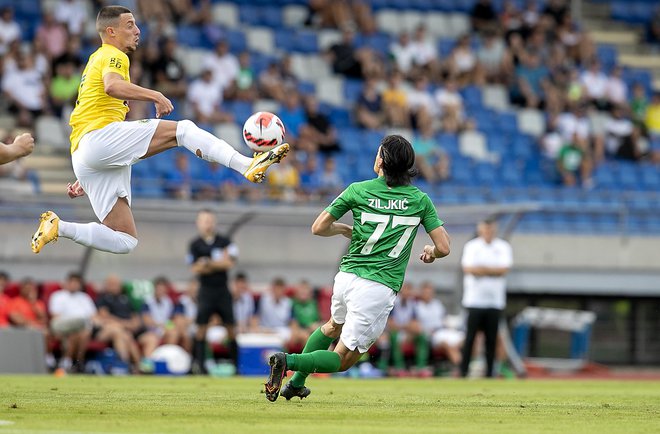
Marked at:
<point>48,162</point>
<point>616,37</point>
<point>61,176</point>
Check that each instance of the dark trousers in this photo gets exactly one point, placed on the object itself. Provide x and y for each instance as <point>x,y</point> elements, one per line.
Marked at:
<point>486,320</point>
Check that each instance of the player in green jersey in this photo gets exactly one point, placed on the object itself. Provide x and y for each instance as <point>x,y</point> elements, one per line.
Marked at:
<point>386,211</point>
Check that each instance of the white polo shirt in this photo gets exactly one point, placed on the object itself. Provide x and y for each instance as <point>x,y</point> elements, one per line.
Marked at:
<point>67,304</point>
<point>430,315</point>
<point>485,292</point>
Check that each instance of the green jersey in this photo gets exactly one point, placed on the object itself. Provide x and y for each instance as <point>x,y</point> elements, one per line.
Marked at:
<point>385,221</point>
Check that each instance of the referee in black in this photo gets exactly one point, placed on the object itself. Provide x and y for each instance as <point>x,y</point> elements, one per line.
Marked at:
<point>211,257</point>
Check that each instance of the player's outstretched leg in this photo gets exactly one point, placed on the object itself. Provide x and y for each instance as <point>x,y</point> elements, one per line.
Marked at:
<point>210,148</point>
<point>93,235</point>
<point>277,364</point>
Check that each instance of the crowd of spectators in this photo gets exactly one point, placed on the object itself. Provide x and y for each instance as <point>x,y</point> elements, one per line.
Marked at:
<point>540,54</point>
<point>79,320</point>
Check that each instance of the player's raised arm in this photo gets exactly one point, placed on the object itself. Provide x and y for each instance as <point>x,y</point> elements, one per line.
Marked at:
<point>326,225</point>
<point>115,86</point>
<point>440,247</point>
<point>22,146</point>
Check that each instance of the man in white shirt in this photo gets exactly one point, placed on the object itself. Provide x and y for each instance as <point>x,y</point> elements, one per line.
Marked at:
<point>595,83</point>
<point>486,261</point>
<point>73,14</point>
<point>72,311</point>
<point>205,97</point>
<point>275,311</point>
<point>223,64</point>
<point>9,29</point>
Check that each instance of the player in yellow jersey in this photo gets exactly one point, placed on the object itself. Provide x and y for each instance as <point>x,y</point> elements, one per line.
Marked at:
<point>104,145</point>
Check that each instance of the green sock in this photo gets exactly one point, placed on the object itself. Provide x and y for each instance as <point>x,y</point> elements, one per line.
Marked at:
<point>316,341</point>
<point>316,361</point>
<point>397,355</point>
<point>421,350</point>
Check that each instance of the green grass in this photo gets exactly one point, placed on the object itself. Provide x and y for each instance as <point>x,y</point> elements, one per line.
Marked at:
<point>88,404</point>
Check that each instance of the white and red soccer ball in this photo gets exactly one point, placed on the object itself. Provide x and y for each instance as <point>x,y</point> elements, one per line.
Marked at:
<point>263,131</point>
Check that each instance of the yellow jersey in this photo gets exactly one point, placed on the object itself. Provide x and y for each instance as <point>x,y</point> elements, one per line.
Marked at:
<point>94,108</point>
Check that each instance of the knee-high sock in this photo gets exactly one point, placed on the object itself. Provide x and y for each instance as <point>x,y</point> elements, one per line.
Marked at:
<point>199,351</point>
<point>97,236</point>
<point>210,148</point>
<point>316,341</point>
<point>316,361</point>
<point>422,349</point>
<point>398,360</point>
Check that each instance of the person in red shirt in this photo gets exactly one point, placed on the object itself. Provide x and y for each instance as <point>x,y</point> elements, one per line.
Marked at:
<point>27,310</point>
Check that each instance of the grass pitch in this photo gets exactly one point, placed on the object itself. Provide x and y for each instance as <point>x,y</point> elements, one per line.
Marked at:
<point>85,404</point>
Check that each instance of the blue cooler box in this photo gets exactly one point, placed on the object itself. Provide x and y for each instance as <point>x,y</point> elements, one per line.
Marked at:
<point>254,349</point>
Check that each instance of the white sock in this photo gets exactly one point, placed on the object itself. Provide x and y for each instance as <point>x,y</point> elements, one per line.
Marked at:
<point>210,148</point>
<point>97,236</point>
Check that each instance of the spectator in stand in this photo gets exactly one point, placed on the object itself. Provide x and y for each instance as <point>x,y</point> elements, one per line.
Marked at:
<point>317,134</point>
<point>330,182</point>
<point>595,84</point>
<point>114,306</point>
<point>552,141</point>
<point>179,182</point>
<point>423,108</point>
<point>483,16</point>
<point>530,16</point>
<point>73,320</point>
<point>25,90</point>
<point>638,106</point>
<point>292,114</point>
<point>284,182</point>
<point>305,314</point>
<point>450,105</point>
<point>531,82</point>
<point>653,28</point>
<point>26,310</point>
<point>64,88</point>
<point>244,87</point>
<point>431,161</point>
<point>73,14</point>
<point>621,136</point>
<point>395,102</point>
<point>424,53</point>
<point>369,110</point>
<point>168,75</point>
<point>188,303</point>
<point>462,63</point>
<point>403,53</point>
<point>10,31</point>
<point>289,79</point>
<point>244,306</point>
<point>204,98</point>
<point>405,329</point>
<point>431,314</point>
<point>494,58</point>
<point>576,121</point>
<point>350,61</point>
<point>274,311</point>
<point>341,14</point>
<point>52,35</point>
<point>652,119</point>
<point>556,9</point>
<point>271,84</point>
<point>72,53</point>
<point>574,164</point>
<point>223,65</point>
<point>486,261</point>
<point>511,19</point>
<point>159,314</point>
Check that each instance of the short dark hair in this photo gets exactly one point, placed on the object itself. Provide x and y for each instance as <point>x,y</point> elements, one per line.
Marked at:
<point>398,160</point>
<point>161,280</point>
<point>4,275</point>
<point>241,276</point>
<point>108,15</point>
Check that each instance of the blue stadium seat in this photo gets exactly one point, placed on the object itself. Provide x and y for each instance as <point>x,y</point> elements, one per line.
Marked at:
<point>236,40</point>
<point>190,36</point>
<point>340,117</point>
<point>352,90</point>
<point>306,42</point>
<point>448,143</point>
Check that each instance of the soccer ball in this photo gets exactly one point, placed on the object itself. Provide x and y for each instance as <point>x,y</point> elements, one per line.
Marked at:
<point>263,131</point>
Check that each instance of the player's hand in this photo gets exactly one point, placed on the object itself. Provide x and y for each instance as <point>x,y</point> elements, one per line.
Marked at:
<point>348,232</point>
<point>428,255</point>
<point>24,144</point>
<point>163,106</point>
<point>74,190</point>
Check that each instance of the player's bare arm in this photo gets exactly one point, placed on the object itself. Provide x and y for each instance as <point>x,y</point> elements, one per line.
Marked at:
<point>22,146</point>
<point>117,87</point>
<point>326,225</point>
<point>486,271</point>
<point>440,247</point>
<point>223,264</point>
